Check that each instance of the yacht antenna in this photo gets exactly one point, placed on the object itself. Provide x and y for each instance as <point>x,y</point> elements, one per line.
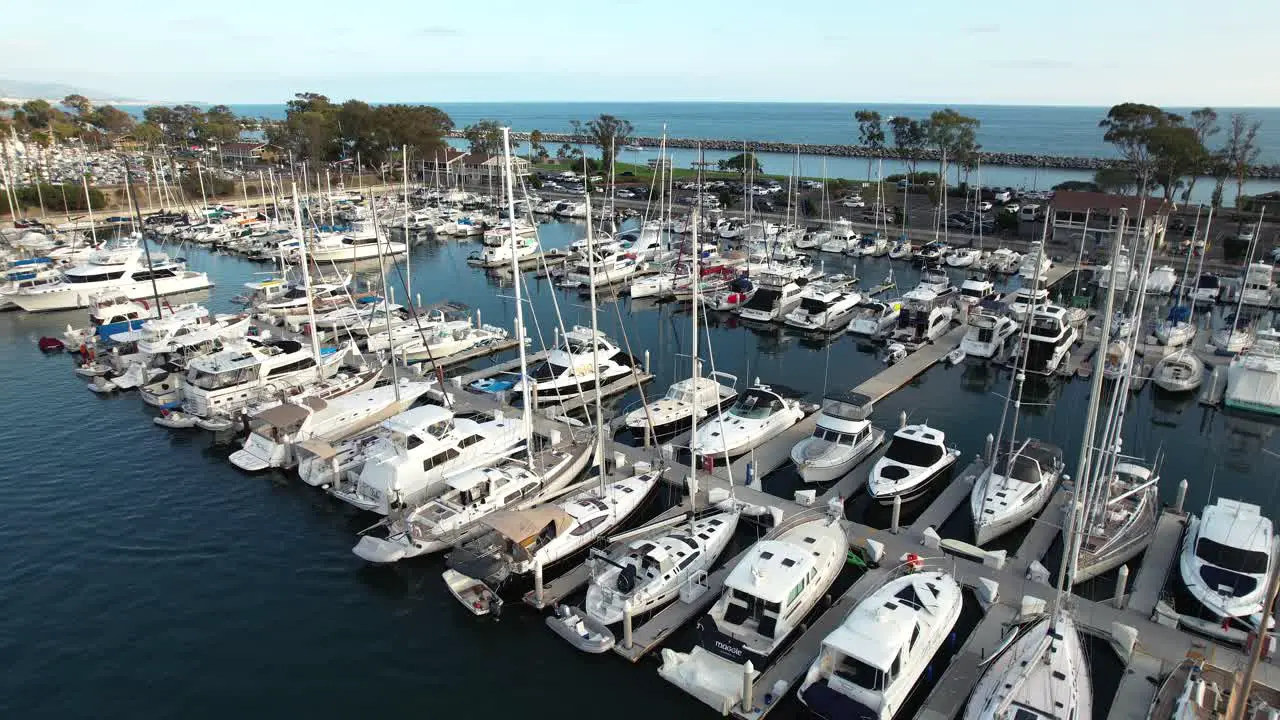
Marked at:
<point>526,420</point>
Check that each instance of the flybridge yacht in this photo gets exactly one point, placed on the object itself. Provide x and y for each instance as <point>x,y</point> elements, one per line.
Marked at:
<point>406,461</point>
<point>499,246</point>
<point>1124,271</point>
<point>869,665</point>
<point>1014,488</point>
<point>1049,340</point>
<point>1253,377</point>
<point>874,318</point>
<point>236,376</point>
<point>611,267</point>
<point>924,317</point>
<point>275,432</point>
<point>1227,555</point>
<point>936,281</point>
<point>977,289</point>
<point>1035,263</point>
<point>519,541</point>
<point>1257,286</point>
<point>759,414</point>
<point>122,270</point>
<point>775,296</point>
<point>917,455</point>
<point>650,572</point>
<point>766,597</point>
<point>360,243</point>
<point>174,333</point>
<point>570,368</point>
<point>26,273</point>
<point>842,438</point>
<point>110,313</point>
<point>988,332</point>
<point>824,306</point>
<point>684,399</point>
<point>1026,300</point>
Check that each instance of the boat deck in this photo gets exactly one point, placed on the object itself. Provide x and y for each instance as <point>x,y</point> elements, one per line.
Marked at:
<point>948,697</point>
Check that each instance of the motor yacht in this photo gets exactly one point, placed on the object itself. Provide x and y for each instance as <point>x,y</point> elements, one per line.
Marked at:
<point>1024,300</point>
<point>936,281</point>
<point>963,257</point>
<point>1228,552</point>
<point>26,273</point>
<point>611,267</point>
<point>977,289</point>
<point>1014,488</point>
<point>122,270</point>
<point>1257,287</point>
<point>874,318</point>
<point>774,297</point>
<point>1124,271</point>
<point>917,455</point>
<point>1253,377</point>
<point>1161,281</point>
<point>685,399</point>
<point>869,665</point>
<point>766,598</point>
<point>923,318</point>
<point>1208,286</point>
<point>1049,340</point>
<point>842,438</point>
<point>570,368</point>
<point>224,381</point>
<point>358,244</point>
<point>1004,261</point>
<point>824,306</point>
<point>759,414</point>
<point>1035,263</point>
<point>989,331</point>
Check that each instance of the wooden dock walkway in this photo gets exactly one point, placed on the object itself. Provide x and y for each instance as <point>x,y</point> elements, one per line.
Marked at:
<point>895,376</point>
<point>1045,530</point>
<point>950,499</point>
<point>949,695</point>
<point>476,353</point>
<point>1133,697</point>
<point>1146,588</point>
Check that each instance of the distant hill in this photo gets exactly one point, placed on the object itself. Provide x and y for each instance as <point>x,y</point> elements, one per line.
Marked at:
<point>21,89</point>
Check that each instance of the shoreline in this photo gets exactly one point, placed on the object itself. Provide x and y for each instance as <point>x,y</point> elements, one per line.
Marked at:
<point>1002,159</point>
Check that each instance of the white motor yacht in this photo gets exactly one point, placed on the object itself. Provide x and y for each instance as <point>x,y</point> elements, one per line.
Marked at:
<point>759,414</point>
<point>874,318</point>
<point>1227,555</point>
<point>121,270</point>
<point>1125,273</point>
<point>1161,281</point>
<point>774,297</point>
<point>274,432</point>
<point>842,438</point>
<point>936,281</point>
<point>1014,488</point>
<point>1179,371</point>
<point>977,289</point>
<point>237,375</point>
<point>110,313</point>
<point>26,273</point>
<point>1257,286</point>
<point>405,462</point>
<point>766,597</point>
<point>824,307</point>
<point>1035,263</point>
<point>924,318</point>
<point>1049,340</point>
<point>1208,286</point>
<point>1024,300</point>
<point>917,455</point>
<point>611,267</point>
<point>166,337</point>
<point>988,332</point>
<point>360,244</point>
<point>1004,261</point>
<point>685,399</point>
<point>870,664</point>
<point>1253,377</point>
<point>518,541</point>
<point>570,368</point>
<point>650,572</point>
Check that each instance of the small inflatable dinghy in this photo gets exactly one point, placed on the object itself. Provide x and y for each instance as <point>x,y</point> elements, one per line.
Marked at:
<point>176,420</point>
<point>580,630</point>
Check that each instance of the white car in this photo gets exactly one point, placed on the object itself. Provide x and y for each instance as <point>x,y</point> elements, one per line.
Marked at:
<point>852,201</point>
<point>1003,196</point>
<point>984,206</point>
<point>1012,207</point>
<point>1245,234</point>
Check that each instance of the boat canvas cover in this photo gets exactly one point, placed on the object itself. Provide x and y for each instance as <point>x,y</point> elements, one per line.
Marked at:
<point>847,406</point>
<point>521,526</point>
<point>283,415</point>
<point>319,448</point>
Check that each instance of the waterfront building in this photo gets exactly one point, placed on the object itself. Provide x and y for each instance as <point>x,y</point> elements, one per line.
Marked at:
<point>1070,210</point>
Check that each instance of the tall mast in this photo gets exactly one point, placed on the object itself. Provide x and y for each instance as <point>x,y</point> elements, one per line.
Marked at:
<point>1186,265</point>
<point>595,334</point>
<point>526,419</point>
<point>1020,375</point>
<point>1208,225</point>
<point>146,246</point>
<point>408,266</point>
<point>1248,260</point>
<point>695,373</point>
<point>386,303</point>
<point>306,281</point>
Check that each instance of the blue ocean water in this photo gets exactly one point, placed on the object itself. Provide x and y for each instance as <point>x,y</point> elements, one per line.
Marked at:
<point>144,576</point>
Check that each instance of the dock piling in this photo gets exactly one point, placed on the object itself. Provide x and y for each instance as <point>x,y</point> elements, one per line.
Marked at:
<point>748,682</point>
<point>1122,583</point>
<point>902,419</point>
<point>537,582</point>
<point>626,624</point>
<point>646,362</point>
<point>897,514</point>
<point>1182,496</point>
<point>988,454</point>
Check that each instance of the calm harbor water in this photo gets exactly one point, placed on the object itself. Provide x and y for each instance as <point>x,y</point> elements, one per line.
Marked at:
<point>144,575</point>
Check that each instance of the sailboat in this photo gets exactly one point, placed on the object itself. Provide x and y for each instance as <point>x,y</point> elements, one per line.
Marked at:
<point>471,496</point>
<point>1019,482</point>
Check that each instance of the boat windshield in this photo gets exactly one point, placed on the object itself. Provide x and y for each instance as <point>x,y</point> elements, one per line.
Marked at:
<point>1253,562</point>
<point>859,673</point>
<point>913,452</point>
<point>813,306</point>
<point>755,405</point>
<point>548,371</point>
<point>217,381</point>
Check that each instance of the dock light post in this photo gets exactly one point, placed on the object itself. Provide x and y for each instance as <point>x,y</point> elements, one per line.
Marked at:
<point>626,624</point>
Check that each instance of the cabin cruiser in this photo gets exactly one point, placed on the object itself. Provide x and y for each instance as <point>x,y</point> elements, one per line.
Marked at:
<point>874,318</point>
<point>650,572</point>
<point>441,336</point>
<point>1123,269</point>
<point>936,281</point>
<point>988,332</point>
<point>1227,555</point>
<point>842,438</point>
<point>1179,371</point>
<point>775,296</point>
<point>1035,263</point>
<point>977,289</point>
<point>518,542</point>
<point>1122,523</point>
<point>110,313</point>
<point>916,456</point>
<point>759,414</point>
<point>1024,300</point>
<point>499,248</point>
<point>406,459</point>
<point>1161,281</point>
<point>454,516</point>
<point>570,368</point>
<point>963,257</point>
<point>674,412</point>
<point>1253,377</point>
<point>121,270</point>
<point>873,245</point>
<point>739,291</point>
<point>837,243</point>
<point>813,240</point>
<point>1043,674</point>
<point>824,306</point>
<point>360,244</point>
<point>171,334</point>
<point>1004,261</point>
<point>226,380</point>
<point>924,318</point>
<point>1014,488</point>
<point>275,431</point>
<point>1049,340</point>
<point>1208,287</point>
<point>766,598</point>
<point>26,273</point>
<point>1257,286</point>
<point>611,267</point>
<point>902,250</point>
<point>870,664</point>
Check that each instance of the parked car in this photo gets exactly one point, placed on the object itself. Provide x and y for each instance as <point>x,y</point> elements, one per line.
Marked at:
<point>1003,196</point>
<point>984,206</point>
<point>853,201</point>
<point>1012,207</point>
<point>1030,212</point>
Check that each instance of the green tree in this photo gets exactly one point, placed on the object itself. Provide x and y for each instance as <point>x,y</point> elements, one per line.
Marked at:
<point>484,137</point>
<point>1078,186</point>
<point>1241,150</point>
<point>1176,151</point>
<point>111,120</point>
<point>742,163</point>
<point>1128,127</point>
<point>536,147</point>
<point>1205,123</point>
<point>910,137</point>
<point>217,126</point>
<point>1120,180</point>
<point>607,132</point>
<point>38,113</point>
<point>870,134</point>
<point>955,136</point>
<point>80,104</point>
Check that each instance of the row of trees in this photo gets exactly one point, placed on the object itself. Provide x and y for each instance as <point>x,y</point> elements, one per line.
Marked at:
<point>608,133</point>
<point>74,117</point>
<point>952,135</point>
<point>1170,151</point>
<point>318,130</point>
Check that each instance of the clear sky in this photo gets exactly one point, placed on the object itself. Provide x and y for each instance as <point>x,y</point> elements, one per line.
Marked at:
<point>1079,52</point>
